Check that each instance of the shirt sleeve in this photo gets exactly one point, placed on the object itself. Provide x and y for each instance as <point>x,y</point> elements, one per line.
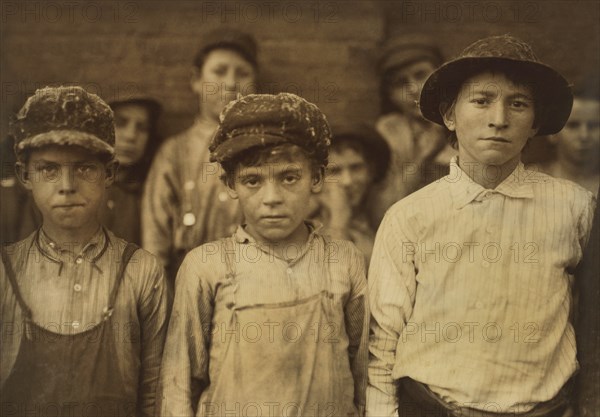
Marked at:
<point>159,203</point>
<point>392,286</point>
<point>356,316</point>
<point>585,218</point>
<point>186,356</point>
<point>153,313</point>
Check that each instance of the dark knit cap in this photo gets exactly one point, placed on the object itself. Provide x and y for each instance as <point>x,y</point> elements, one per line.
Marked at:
<point>240,41</point>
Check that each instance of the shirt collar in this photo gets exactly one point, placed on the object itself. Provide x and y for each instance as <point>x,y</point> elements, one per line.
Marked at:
<point>91,251</point>
<point>464,190</point>
<point>242,236</point>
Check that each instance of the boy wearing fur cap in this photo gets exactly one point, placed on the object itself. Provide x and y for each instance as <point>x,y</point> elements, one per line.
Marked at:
<point>83,312</point>
<point>272,320</point>
<point>470,279</point>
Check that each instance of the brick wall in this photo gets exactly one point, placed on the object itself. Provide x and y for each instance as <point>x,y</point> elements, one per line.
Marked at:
<point>324,50</point>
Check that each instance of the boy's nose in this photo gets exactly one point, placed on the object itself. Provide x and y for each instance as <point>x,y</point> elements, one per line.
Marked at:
<point>271,193</point>
<point>128,132</point>
<point>67,181</point>
<point>497,115</point>
<point>345,178</point>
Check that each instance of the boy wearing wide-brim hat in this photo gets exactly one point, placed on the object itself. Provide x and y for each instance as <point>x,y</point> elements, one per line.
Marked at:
<point>470,279</point>
<point>86,311</point>
<point>272,320</point>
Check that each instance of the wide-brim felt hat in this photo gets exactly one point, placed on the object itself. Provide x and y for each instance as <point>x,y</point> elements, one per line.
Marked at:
<point>500,53</point>
<point>65,116</point>
<point>260,120</point>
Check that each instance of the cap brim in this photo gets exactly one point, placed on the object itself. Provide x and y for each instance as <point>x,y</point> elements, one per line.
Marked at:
<point>447,80</point>
<point>230,148</point>
<point>67,138</point>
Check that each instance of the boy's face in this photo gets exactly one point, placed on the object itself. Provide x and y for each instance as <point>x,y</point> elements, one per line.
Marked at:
<point>274,197</point>
<point>132,130</point>
<point>406,85</point>
<point>493,119</point>
<point>349,170</point>
<point>224,74</point>
<point>68,185</point>
<point>579,141</point>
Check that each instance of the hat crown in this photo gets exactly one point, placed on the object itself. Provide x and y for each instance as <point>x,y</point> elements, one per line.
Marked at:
<point>285,115</point>
<point>504,46</point>
<point>227,38</point>
<point>64,108</point>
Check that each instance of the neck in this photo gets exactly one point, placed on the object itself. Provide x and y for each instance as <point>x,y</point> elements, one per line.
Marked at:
<point>74,239</point>
<point>207,117</point>
<point>297,239</point>
<point>488,175</point>
<point>575,170</point>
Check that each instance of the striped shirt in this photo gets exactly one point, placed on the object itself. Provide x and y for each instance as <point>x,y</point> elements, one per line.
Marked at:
<point>185,204</point>
<point>78,287</point>
<point>198,333</point>
<point>470,291</point>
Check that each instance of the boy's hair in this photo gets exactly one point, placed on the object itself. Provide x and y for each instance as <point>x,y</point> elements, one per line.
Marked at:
<point>513,75</point>
<point>367,142</point>
<point>281,152</point>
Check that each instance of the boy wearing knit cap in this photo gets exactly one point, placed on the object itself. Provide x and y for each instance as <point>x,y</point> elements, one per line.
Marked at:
<point>273,320</point>
<point>470,279</point>
<point>83,312</point>
<point>185,204</point>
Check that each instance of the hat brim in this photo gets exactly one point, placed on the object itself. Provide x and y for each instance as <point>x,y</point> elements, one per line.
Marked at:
<point>553,88</point>
<point>66,138</point>
<point>231,148</point>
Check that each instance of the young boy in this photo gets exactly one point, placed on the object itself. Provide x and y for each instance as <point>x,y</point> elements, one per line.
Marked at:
<point>470,279</point>
<point>83,313</point>
<point>358,158</point>
<point>578,143</point>
<point>185,204</point>
<point>273,320</point>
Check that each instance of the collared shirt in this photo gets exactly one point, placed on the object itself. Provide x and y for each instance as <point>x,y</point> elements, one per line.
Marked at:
<point>470,291</point>
<point>185,204</point>
<point>67,293</point>
<point>197,330</point>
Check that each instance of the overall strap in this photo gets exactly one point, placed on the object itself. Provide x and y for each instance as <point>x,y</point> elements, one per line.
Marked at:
<point>13,283</point>
<point>130,249</point>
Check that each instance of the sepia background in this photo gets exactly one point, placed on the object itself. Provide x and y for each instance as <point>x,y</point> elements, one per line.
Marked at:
<point>323,50</point>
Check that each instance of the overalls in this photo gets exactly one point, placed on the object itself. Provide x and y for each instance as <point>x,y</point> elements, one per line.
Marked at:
<point>67,374</point>
<point>305,372</point>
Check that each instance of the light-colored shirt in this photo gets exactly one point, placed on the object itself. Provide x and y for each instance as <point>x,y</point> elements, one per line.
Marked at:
<point>198,328</point>
<point>185,204</point>
<point>67,293</point>
<point>470,291</point>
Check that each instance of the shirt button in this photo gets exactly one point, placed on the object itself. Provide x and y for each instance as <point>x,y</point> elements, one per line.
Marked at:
<point>479,305</point>
<point>110,204</point>
<point>77,287</point>
<point>75,324</point>
<point>289,271</point>
<point>223,197</point>
<point>189,185</point>
<point>485,264</point>
<point>78,261</point>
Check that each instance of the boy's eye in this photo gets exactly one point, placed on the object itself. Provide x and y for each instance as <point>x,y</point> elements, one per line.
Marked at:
<point>50,172</point>
<point>520,104</point>
<point>573,124</point>
<point>480,101</point>
<point>251,181</point>
<point>87,171</point>
<point>221,70</point>
<point>290,179</point>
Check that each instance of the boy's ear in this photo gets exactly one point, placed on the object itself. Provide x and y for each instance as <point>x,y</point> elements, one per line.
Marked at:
<point>111,172</point>
<point>196,80</point>
<point>317,180</point>
<point>447,112</point>
<point>23,175</point>
<point>231,192</point>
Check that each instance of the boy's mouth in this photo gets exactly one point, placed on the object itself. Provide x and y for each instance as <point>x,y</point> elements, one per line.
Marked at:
<point>497,139</point>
